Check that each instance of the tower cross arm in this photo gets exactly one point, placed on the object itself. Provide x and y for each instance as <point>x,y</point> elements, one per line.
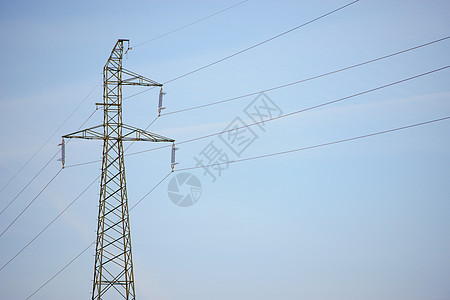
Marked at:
<point>136,79</point>
<point>93,133</point>
<point>130,133</point>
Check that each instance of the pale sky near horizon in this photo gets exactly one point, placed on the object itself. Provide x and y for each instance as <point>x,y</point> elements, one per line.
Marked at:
<point>365,219</point>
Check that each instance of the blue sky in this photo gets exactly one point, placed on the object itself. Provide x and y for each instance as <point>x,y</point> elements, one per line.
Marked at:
<point>367,219</point>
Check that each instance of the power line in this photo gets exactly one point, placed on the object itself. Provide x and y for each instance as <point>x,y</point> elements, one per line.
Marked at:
<point>307,79</point>
<point>319,145</point>
<point>145,196</point>
<point>42,169</point>
<point>286,115</point>
<point>85,249</point>
<point>318,105</point>
<point>249,48</point>
<point>29,204</point>
<point>49,224</point>
<point>190,24</point>
<point>265,41</point>
<point>42,190</point>
<point>29,182</point>
<point>49,138</point>
<point>57,273</point>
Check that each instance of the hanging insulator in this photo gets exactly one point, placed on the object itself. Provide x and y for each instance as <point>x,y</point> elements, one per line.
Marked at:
<point>128,49</point>
<point>63,153</point>
<point>160,107</point>
<point>172,161</point>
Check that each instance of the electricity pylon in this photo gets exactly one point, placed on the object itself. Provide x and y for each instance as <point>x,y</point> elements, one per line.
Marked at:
<point>113,271</point>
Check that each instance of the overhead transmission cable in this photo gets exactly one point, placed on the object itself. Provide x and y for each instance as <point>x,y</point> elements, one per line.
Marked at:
<point>49,224</point>
<point>190,24</point>
<point>244,50</point>
<point>60,271</point>
<point>85,249</point>
<point>40,192</point>
<point>284,115</point>
<point>266,156</point>
<point>40,171</point>
<point>307,79</point>
<point>29,204</point>
<point>315,106</point>
<point>249,48</point>
<point>318,145</point>
<point>49,138</point>
<point>29,182</point>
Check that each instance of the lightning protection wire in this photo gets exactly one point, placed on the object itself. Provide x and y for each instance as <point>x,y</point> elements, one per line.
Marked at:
<point>61,270</point>
<point>190,24</point>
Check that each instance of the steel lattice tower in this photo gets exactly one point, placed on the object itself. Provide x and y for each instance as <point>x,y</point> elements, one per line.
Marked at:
<point>113,271</point>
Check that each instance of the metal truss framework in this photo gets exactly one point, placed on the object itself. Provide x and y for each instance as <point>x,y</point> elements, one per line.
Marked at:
<point>113,271</point>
